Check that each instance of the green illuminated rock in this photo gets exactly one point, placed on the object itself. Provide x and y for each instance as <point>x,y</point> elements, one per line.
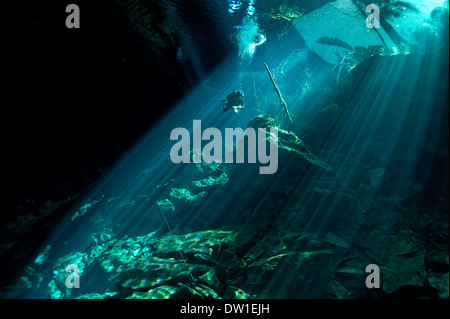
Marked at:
<point>161,292</point>
<point>210,181</point>
<point>183,193</point>
<point>166,206</point>
<point>286,140</point>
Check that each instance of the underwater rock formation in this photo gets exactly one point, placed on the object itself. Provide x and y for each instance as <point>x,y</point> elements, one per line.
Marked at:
<point>286,140</point>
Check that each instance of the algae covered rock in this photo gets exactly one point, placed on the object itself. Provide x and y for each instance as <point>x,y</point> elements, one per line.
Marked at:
<point>158,263</point>
<point>210,181</point>
<point>166,206</point>
<point>286,140</point>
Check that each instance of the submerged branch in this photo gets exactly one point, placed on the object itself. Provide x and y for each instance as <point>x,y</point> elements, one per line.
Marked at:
<point>283,105</point>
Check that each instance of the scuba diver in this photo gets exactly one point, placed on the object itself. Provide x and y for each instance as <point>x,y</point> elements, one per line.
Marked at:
<point>234,100</point>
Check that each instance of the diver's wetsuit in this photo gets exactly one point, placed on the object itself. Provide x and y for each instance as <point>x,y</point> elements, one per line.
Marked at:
<point>234,100</point>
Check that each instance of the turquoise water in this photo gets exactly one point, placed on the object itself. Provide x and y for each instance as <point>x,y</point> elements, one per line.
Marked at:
<point>362,169</point>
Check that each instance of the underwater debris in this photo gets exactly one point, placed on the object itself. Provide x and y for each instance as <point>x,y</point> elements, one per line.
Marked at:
<point>287,140</point>
<point>334,41</point>
<point>283,105</point>
<point>180,193</point>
